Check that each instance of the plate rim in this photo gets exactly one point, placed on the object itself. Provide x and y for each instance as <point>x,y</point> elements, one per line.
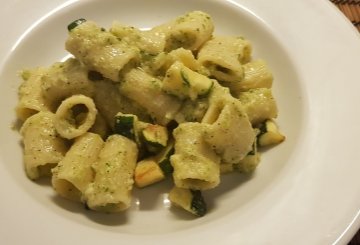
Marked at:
<point>354,225</point>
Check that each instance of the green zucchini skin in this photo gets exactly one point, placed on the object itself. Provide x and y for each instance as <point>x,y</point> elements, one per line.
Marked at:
<point>75,24</point>
<point>198,204</point>
<point>124,125</point>
<point>165,163</point>
<point>155,137</point>
<point>263,129</point>
<point>190,200</point>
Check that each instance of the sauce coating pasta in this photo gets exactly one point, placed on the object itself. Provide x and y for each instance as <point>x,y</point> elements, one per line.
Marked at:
<point>134,107</point>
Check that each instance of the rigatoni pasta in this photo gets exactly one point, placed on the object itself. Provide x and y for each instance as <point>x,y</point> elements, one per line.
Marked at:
<point>114,170</point>
<point>257,74</point>
<point>100,50</point>
<point>146,91</point>
<point>43,147</point>
<point>31,99</point>
<point>259,104</point>
<point>149,42</point>
<point>109,102</point>
<point>231,135</point>
<point>64,79</point>
<point>189,31</point>
<point>75,116</point>
<point>196,165</point>
<point>74,172</point>
<point>224,56</point>
<point>135,107</point>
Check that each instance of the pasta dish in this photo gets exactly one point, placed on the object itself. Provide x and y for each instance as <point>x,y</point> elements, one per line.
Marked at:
<point>133,107</point>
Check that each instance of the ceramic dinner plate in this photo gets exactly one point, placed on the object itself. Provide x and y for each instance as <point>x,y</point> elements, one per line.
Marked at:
<point>305,191</point>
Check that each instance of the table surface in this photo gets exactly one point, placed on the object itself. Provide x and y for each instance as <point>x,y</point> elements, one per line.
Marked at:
<point>351,9</point>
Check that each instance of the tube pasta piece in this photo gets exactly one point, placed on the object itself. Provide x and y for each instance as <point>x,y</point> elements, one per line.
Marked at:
<point>188,31</point>
<point>226,168</point>
<point>109,102</point>
<point>64,79</point>
<point>229,130</point>
<point>149,42</point>
<point>31,100</point>
<point>101,51</point>
<point>184,56</point>
<point>246,165</point>
<point>195,165</point>
<point>249,163</point>
<point>256,75</point>
<point>43,148</point>
<point>114,170</point>
<point>259,104</point>
<point>75,116</point>
<point>217,98</point>
<point>74,172</point>
<point>143,88</point>
<point>231,135</point>
<point>224,56</point>
<point>154,64</point>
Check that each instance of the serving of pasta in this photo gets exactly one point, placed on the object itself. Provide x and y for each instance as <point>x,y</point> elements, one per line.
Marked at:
<point>133,107</point>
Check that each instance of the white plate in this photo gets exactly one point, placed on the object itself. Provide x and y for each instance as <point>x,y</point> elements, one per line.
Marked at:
<point>306,191</point>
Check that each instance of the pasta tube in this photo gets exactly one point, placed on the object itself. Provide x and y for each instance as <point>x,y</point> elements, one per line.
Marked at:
<point>231,135</point>
<point>229,131</point>
<point>188,31</point>
<point>224,56</point>
<point>64,79</point>
<point>149,42</point>
<point>43,148</point>
<point>75,116</point>
<point>101,51</point>
<point>114,170</point>
<point>259,104</point>
<point>74,172</point>
<point>195,165</point>
<point>31,100</point>
<point>146,91</point>
<point>256,75</point>
<point>109,102</point>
